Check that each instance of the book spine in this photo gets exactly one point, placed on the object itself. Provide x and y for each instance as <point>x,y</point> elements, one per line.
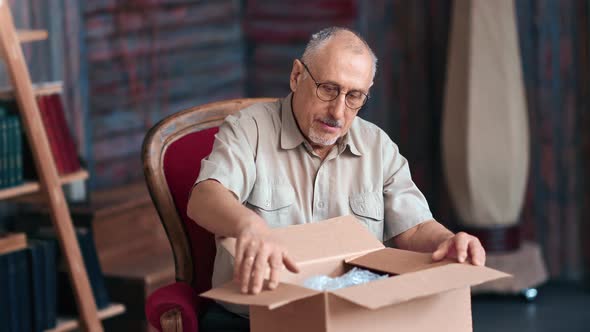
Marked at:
<point>69,148</point>
<point>50,283</point>
<point>37,276</point>
<point>5,299</point>
<point>46,115</point>
<point>58,134</point>
<point>19,151</point>
<point>4,152</point>
<point>24,313</point>
<point>12,150</point>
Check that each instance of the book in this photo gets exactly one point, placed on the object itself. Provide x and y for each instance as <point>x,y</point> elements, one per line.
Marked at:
<point>66,304</point>
<point>53,136</point>
<point>44,283</point>
<point>66,142</point>
<point>59,138</point>
<point>15,302</point>
<point>36,261</point>
<point>5,173</point>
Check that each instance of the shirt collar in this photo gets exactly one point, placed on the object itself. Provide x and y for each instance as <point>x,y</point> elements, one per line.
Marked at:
<point>291,136</point>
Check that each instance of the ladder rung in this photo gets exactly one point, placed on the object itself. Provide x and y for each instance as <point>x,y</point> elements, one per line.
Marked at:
<point>39,89</point>
<point>31,35</point>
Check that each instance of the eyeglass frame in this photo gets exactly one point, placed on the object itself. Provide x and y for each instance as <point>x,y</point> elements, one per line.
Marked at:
<point>318,84</point>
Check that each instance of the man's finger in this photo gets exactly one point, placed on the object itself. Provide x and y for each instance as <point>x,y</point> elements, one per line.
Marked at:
<point>258,270</point>
<point>275,270</point>
<point>477,253</point>
<point>239,257</point>
<point>246,268</point>
<point>461,245</point>
<point>442,250</point>
<point>290,264</point>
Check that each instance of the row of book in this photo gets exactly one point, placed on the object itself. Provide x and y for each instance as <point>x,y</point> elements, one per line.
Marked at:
<point>28,280</point>
<point>16,161</point>
<point>34,284</point>
<point>11,150</point>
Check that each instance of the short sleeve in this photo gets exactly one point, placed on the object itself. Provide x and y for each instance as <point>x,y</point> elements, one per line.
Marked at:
<point>405,205</point>
<point>232,160</point>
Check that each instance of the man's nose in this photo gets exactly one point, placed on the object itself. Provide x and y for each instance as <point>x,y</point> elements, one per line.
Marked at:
<point>338,106</point>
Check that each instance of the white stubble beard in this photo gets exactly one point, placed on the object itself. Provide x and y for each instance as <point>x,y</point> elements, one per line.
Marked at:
<point>316,137</point>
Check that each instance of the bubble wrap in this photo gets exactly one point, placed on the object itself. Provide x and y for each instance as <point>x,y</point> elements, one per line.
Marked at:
<point>356,276</point>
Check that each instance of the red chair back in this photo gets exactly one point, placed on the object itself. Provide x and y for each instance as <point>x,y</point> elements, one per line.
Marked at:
<point>172,154</point>
<point>182,163</point>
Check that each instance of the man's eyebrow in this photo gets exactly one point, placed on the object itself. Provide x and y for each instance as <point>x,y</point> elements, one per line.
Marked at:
<point>340,86</point>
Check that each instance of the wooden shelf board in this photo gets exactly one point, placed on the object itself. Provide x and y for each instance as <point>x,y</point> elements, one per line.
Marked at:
<point>32,187</point>
<point>69,324</point>
<point>25,36</point>
<point>39,89</point>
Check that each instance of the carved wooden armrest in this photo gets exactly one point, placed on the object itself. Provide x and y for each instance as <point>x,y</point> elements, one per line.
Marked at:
<point>171,321</point>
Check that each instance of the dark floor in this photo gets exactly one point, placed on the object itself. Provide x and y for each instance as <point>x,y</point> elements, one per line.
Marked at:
<point>557,307</point>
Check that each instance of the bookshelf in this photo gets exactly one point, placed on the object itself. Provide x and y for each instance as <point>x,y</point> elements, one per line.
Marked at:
<point>50,183</point>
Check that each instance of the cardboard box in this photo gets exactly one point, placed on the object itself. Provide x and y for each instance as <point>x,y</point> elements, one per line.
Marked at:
<point>419,295</point>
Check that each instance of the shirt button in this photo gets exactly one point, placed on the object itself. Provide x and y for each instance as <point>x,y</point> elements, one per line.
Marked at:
<point>321,205</point>
<point>267,203</point>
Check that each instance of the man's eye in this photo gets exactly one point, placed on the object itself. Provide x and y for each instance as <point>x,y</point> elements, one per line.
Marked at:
<point>330,88</point>
<point>355,95</point>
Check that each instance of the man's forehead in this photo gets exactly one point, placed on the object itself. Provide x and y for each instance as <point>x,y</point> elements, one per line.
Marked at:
<point>346,68</point>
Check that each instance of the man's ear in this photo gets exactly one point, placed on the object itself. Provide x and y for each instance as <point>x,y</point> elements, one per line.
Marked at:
<point>296,74</point>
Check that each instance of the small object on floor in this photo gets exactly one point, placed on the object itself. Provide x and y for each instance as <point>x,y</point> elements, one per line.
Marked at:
<point>530,293</point>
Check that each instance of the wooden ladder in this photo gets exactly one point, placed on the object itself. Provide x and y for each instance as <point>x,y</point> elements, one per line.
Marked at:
<point>50,183</point>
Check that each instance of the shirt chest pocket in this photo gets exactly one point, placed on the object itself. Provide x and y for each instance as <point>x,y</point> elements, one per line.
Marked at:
<point>368,208</point>
<point>272,203</point>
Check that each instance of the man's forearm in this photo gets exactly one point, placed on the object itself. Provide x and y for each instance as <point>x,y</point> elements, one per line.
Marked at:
<point>424,237</point>
<point>217,210</point>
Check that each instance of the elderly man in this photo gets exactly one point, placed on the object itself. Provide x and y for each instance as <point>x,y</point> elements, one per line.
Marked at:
<point>307,158</point>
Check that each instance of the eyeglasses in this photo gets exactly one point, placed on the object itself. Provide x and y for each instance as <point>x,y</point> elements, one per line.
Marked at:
<point>354,99</point>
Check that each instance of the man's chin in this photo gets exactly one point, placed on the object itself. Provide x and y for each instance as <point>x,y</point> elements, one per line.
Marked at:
<point>323,141</point>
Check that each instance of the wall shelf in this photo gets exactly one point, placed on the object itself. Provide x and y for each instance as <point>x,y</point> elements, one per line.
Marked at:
<point>70,324</point>
<point>39,89</point>
<point>31,187</point>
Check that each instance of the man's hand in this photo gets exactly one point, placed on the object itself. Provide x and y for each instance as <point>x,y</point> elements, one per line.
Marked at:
<point>256,251</point>
<point>461,246</point>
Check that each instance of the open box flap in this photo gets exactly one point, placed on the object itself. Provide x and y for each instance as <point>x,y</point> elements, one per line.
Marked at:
<point>336,237</point>
<point>405,287</point>
<point>285,293</point>
<point>396,261</point>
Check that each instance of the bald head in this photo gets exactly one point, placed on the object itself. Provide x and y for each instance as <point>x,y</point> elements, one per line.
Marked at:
<point>340,40</point>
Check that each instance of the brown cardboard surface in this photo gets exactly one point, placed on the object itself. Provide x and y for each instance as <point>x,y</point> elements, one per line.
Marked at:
<point>396,261</point>
<point>417,284</point>
<point>332,267</point>
<point>306,315</point>
<point>341,236</point>
<point>443,312</point>
<point>283,294</point>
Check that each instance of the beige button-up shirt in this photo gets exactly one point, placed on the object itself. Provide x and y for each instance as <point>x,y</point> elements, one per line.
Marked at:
<point>260,155</point>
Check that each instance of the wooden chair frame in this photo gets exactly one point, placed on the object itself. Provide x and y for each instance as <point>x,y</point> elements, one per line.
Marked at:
<point>156,142</point>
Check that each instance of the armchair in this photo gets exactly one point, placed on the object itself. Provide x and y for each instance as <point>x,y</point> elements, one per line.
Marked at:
<point>172,152</point>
